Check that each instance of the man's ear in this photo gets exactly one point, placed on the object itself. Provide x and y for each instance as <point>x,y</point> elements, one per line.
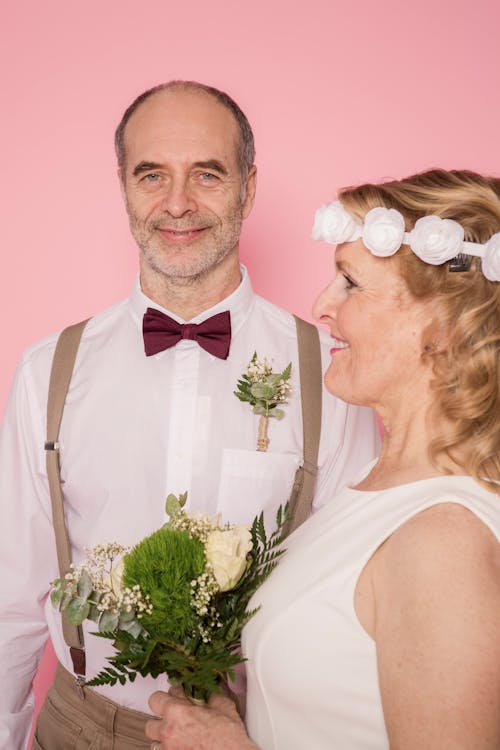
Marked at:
<point>121,179</point>
<point>250,188</point>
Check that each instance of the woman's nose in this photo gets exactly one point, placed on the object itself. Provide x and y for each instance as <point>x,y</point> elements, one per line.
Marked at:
<point>324,307</point>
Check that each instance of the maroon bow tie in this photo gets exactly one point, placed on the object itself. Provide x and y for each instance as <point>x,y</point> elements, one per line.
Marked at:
<point>161,332</point>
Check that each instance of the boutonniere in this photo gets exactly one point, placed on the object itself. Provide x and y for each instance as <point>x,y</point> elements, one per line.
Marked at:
<point>264,390</point>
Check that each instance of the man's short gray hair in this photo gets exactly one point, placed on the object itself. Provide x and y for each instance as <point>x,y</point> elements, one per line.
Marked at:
<point>245,145</point>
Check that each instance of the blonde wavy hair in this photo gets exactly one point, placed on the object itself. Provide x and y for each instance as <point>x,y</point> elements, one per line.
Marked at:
<point>466,361</point>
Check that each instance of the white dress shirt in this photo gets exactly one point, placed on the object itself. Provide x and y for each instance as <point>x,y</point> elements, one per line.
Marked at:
<point>134,429</point>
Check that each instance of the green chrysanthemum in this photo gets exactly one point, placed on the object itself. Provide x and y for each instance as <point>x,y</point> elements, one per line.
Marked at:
<point>164,564</point>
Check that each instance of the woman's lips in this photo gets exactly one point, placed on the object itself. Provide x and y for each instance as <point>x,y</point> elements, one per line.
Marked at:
<point>339,344</point>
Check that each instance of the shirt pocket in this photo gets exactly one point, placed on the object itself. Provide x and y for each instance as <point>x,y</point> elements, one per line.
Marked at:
<point>254,481</point>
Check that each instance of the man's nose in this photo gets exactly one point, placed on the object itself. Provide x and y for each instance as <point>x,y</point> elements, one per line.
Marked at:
<point>179,198</point>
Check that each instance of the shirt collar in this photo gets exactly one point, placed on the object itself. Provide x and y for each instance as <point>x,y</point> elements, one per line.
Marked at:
<point>239,304</point>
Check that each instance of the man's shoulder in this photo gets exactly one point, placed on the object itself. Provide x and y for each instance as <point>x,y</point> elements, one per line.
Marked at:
<point>41,352</point>
<point>285,320</point>
<point>275,314</point>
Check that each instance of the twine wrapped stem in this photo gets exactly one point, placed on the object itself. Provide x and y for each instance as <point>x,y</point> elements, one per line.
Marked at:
<point>262,439</point>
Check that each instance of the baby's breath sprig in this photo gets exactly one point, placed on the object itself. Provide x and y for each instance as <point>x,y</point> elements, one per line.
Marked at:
<point>196,525</point>
<point>94,591</point>
<point>264,390</point>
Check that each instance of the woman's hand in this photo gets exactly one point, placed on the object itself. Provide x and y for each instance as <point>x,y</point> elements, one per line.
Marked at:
<point>184,726</point>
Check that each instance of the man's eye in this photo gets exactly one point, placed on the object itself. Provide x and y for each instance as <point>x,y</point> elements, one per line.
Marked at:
<point>208,177</point>
<point>151,177</point>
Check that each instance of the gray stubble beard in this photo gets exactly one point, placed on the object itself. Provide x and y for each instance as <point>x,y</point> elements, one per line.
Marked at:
<point>201,264</point>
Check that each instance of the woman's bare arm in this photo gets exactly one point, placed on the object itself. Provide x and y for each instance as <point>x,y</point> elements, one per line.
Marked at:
<point>437,630</point>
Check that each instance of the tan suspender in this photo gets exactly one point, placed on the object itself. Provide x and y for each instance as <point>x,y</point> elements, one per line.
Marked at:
<point>60,377</point>
<point>311,387</point>
<point>305,477</point>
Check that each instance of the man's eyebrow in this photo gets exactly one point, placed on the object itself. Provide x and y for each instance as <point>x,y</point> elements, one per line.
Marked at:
<point>213,164</point>
<point>145,166</point>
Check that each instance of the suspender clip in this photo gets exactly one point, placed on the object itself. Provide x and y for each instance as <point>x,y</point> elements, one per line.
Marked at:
<point>79,683</point>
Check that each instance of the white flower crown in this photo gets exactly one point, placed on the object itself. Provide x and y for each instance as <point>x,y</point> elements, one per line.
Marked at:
<point>433,239</point>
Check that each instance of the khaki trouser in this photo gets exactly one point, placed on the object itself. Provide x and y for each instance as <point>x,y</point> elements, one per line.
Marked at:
<point>68,722</point>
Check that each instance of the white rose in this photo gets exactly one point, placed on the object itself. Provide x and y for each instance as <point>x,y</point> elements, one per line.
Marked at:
<point>334,224</point>
<point>436,240</point>
<point>383,231</point>
<point>491,259</point>
<point>116,575</point>
<point>227,552</point>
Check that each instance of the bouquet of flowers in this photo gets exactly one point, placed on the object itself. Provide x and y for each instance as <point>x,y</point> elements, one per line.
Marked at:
<point>175,603</point>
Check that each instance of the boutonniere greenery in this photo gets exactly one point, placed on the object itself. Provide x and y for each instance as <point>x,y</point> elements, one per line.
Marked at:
<point>265,390</point>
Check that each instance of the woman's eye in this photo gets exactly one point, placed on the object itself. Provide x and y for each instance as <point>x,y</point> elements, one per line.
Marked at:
<point>350,283</point>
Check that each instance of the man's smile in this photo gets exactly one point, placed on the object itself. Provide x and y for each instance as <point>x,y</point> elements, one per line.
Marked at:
<point>180,235</point>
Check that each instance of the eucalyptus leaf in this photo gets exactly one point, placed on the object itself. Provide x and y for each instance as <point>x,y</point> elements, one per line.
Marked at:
<point>84,586</point>
<point>273,379</point>
<point>172,506</point>
<point>56,596</point>
<point>77,610</point>
<point>259,409</point>
<point>67,598</point>
<point>262,391</point>
<point>133,627</point>
<point>126,617</point>
<point>94,613</point>
<point>108,622</point>
<point>277,413</point>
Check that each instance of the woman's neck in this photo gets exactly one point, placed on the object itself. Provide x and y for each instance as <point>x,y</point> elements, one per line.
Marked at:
<point>405,457</point>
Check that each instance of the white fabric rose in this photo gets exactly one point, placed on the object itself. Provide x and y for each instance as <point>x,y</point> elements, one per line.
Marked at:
<point>383,231</point>
<point>491,260</point>
<point>435,240</point>
<point>227,552</point>
<point>333,224</point>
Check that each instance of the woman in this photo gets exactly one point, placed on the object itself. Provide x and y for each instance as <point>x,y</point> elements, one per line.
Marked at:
<point>380,628</point>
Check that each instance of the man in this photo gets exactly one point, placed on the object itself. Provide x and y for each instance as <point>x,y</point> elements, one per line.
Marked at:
<point>136,427</point>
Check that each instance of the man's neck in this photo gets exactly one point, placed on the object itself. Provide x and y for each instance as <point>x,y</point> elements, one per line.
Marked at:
<point>187,298</point>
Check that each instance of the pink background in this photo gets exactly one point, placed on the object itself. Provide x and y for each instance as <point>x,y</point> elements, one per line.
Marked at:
<point>337,92</point>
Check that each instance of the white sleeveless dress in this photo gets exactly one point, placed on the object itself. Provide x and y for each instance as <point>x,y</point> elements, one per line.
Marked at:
<point>312,670</point>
